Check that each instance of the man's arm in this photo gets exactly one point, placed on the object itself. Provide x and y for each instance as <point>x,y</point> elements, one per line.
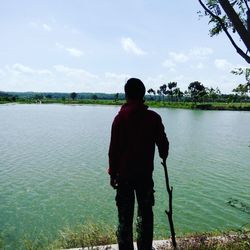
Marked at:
<point>114,153</point>
<point>162,140</point>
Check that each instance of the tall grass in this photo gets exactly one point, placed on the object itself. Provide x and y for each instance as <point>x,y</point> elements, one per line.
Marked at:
<point>87,235</point>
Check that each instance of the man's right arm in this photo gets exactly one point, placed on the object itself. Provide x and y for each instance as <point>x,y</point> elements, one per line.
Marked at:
<point>162,140</point>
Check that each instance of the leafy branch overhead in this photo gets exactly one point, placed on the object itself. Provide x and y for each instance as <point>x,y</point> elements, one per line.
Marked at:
<point>230,16</point>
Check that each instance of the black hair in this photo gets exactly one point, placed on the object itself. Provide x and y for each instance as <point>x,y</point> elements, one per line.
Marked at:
<point>134,89</point>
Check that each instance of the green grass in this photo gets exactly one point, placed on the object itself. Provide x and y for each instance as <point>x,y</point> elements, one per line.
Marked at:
<point>244,106</point>
<point>240,106</point>
<point>201,106</point>
<point>87,235</point>
<point>91,234</point>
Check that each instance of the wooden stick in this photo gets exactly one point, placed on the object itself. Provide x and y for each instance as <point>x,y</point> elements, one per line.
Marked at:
<point>169,213</point>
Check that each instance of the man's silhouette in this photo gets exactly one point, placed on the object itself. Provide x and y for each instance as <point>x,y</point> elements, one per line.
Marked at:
<point>135,132</point>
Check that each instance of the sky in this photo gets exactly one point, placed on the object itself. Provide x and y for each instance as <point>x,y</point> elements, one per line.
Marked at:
<point>96,45</point>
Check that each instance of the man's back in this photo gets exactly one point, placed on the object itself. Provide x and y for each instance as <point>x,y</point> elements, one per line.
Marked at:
<point>135,131</point>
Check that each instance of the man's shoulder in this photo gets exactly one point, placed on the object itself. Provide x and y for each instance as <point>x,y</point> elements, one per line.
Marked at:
<point>153,114</point>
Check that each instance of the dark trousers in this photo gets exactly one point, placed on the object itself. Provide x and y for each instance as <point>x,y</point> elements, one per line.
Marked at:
<point>125,201</point>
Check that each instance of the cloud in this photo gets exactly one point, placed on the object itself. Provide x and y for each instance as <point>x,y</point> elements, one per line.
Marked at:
<point>47,27</point>
<point>199,66</point>
<point>2,73</point>
<point>223,64</point>
<point>20,68</point>
<point>178,57</point>
<point>197,54</point>
<point>74,52</point>
<point>117,77</point>
<point>75,72</point>
<point>130,46</point>
<point>200,53</point>
<point>38,25</point>
<point>169,64</point>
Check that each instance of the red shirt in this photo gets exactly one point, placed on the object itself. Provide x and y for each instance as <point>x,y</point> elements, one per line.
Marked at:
<point>135,132</point>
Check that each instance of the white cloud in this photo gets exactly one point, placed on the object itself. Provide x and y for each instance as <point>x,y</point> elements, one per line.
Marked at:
<point>199,65</point>
<point>74,52</point>
<point>169,64</point>
<point>201,53</point>
<point>117,77</point>
<point>59,45</point>
<point>21,68</point>
<point>2,73</point>
<point>130,46</point>
<point>197,54</point>
<point>223,64</point>
<point>178,57</point>
<point>75,72</point>
<point>46,27</point>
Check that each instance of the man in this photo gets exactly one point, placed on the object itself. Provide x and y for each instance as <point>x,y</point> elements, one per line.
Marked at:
<point>135,132</point>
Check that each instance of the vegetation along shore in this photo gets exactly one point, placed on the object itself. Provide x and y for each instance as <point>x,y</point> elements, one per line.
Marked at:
<point>197,96</point>
<point>90,235</point>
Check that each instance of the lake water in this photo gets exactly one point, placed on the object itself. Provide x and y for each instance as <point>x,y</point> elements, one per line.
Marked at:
<point>53,161</point>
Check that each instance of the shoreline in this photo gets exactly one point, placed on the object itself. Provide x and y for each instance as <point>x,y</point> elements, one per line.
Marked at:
<point>220,106</point>
<point>224,241</point>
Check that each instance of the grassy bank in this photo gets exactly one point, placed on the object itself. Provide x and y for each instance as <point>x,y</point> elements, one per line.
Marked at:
<point>90,235</point>
<point>239,106</point>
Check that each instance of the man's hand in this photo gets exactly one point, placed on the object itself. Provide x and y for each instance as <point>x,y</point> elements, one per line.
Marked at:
<point>164,161</point>
<point>113,182</point>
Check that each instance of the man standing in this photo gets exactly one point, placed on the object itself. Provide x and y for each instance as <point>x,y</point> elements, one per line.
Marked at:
<point>135,132</point>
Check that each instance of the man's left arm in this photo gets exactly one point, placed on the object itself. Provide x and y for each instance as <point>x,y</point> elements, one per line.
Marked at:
<point>114,153</point>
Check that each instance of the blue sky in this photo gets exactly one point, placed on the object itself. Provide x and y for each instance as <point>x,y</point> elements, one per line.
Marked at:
<point>95,45</point>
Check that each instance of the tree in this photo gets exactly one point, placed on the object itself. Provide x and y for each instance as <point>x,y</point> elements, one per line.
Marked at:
<point>171,86</point>
<point>212,93</point>
<point>242,71</point>
<point>151,91</point>
<point>115,97</point>
<point>230,16</point>
<point>177,93</point>
<point>73,95</point>
<point>162,91</point>
<point>94,97</point>
<point>241,89</point>
<point>246,73</point>
<point>197,90</point>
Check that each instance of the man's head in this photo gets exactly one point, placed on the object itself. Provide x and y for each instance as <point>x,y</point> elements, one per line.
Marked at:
<point>134,89</point>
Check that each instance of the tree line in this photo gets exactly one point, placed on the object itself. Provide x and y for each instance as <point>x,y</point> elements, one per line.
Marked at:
<point>197,92</point>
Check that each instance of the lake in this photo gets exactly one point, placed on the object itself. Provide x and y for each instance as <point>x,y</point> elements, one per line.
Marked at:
<point>53,169</point>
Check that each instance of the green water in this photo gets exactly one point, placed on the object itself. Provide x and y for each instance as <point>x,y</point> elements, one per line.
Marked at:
<point>53,161</point>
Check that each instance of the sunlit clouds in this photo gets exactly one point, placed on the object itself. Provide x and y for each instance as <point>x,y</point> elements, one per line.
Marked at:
<point>131,47</point>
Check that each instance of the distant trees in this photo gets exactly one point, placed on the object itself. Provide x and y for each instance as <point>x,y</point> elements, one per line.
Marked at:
<point>116,97</point>
<point>151,91</point>
<point>197,91</point>
<point>242,90</point>
<point>169,90</point>
<point>73,95</point>
<point>213,94</point>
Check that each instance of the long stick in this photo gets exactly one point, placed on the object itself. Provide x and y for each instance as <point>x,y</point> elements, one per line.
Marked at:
<point>169,213</point>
